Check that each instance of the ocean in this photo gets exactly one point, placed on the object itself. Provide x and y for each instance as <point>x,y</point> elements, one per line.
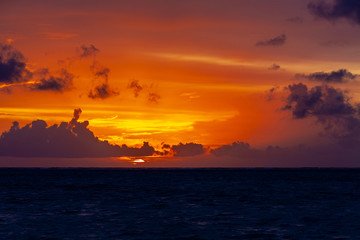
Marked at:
<point>179,203</point>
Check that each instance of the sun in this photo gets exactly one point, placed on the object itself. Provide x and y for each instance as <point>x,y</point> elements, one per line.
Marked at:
<point>139,160</point>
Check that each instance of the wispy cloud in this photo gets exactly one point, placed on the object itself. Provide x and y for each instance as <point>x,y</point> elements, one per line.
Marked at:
<point>203,59</point>
<point>274,42</point>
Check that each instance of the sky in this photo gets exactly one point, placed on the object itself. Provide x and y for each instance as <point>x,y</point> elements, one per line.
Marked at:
<point>206,83</point>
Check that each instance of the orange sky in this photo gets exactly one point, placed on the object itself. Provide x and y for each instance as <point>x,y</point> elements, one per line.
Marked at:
<point>204,76</point>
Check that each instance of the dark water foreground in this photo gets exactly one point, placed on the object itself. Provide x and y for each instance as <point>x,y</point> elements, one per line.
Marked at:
<point>179,204</point>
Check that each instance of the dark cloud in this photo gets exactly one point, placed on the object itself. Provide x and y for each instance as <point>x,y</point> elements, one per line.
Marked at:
<point>274,67</point>
<point>187,149</point>
<point>322,155</point>
<point>339,76</point>
<point>144,150</point>
<point>77,113</point>
<point>344,129</point>
<point>13,70</point>
<point>154,97</point>
<point>87,51</point>
<point>277,41</point>
<point>103,73</point>
<point>69,139</point>
<point>12,65</point>
<point>295,20</point>
<point>181,150</point>
<point>338,9</point>
<point>236,149</point>
<point>137,88</point>
<point>165,146</point>
<point>331,108</point>
<point>318,101</point>
<point>53,83</point>
<point>103,89</point>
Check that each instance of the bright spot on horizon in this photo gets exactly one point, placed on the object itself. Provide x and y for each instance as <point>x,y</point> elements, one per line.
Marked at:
<point>138,161</point>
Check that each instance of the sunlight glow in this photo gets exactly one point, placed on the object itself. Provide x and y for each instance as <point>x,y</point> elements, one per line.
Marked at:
<point>138,161</point>
<point>204,59</point>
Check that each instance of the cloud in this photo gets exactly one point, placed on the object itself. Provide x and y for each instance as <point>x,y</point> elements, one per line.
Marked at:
<point>154,97</point>
<point>100,71</point>
<point>344,129</point>
<point>144,150</point>
<point>318,101</point>
<point>69,139</point>
<point>276,41</point>
<point>187,149</point>
<point>274,67</point>
<point>321,155</point>
<point>339,76</point>
<point>52,83</point>
<point>87,51</point>
<point>77,113</point>
<point>236,149</point>
<point>331,108</point>
<point>346,9</point>
<point>137,88</point>
<point>102,90</point>
<point>14,72</point>
<point>12,65</point>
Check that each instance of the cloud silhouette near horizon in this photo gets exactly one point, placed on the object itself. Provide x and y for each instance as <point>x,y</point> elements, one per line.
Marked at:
<point>236,149</point>
<point>73,139</point>
<point>187,149</point>
<point>68,139</point>
<point>321,155</point>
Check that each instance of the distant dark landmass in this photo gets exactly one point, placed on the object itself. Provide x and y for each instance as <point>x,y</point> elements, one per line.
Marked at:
<point>179,203</point>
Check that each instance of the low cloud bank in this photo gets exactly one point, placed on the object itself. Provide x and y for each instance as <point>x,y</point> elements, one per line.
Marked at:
<point>68,139</point>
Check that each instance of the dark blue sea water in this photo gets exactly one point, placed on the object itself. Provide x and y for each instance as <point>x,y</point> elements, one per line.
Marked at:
<point>179,204</point>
